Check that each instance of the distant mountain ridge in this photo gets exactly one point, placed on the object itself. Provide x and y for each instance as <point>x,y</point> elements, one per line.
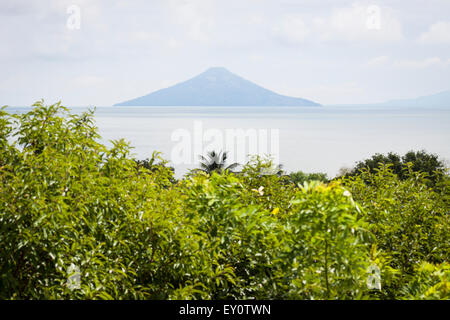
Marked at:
<point>216,87</point>
<point>438,100</point>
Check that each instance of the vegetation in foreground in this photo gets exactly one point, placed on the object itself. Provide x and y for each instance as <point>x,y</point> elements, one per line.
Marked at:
<point>135,232</point>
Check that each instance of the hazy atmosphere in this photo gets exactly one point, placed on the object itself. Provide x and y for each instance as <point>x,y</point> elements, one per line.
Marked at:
<point>332,52</point>
<point>250,152</point>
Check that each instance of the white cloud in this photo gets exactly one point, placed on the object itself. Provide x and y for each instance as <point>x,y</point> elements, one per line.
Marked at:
<point>88,81</point>
<point>349,24</point>
<point>139,43</point>
<point>361,22</point>
<point>196,17</point>
<point>438,33</point>
<point>17,7</point>
<point>292,30</point>
<point>255,19</point>
<point>173,43</point>
<point>378,61</point>
<point>422,64</point>
<point>409,63</point>
<point>148,38</point>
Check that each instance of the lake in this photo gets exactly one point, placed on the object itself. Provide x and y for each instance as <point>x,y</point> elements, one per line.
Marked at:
<point>311,139</point>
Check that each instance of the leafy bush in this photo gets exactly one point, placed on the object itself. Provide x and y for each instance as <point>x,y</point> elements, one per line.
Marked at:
<point>300,177</point>
<point>432,282</point>
<point>327,239</point>
<point>419,161</point>
<point>242,238</point>
<point>409,220</point>
<point>66,199</point>
<point>70,207</point>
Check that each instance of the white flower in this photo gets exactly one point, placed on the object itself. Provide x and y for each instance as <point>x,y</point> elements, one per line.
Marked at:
<point>260,190</point>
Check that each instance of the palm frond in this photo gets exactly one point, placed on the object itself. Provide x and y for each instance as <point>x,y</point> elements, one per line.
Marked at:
<point>215,161</point>
<point>232,166</point>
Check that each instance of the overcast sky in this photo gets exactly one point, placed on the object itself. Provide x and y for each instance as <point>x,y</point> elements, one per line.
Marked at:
<point>329,51</point>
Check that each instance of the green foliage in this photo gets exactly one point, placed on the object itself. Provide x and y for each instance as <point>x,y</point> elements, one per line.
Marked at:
<point>419,161</point>
<point>66,199</point>
<point>265,185</point>
<point>409,220</point>
<point>242,238</point>
<point>328,243</point>
<point>432,282</point>
<point>216,162</point>
<point>135,232</point>
<point>300,177</point>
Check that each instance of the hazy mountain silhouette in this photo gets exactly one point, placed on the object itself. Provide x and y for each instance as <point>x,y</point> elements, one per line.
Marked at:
<point>216,87</point>
<point>438,100</point>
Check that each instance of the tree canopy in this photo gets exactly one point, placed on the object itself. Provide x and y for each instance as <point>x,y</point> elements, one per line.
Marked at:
<point>79,220</point>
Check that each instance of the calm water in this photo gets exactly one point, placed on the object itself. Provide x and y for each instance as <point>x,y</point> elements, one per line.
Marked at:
<point>310,139</point>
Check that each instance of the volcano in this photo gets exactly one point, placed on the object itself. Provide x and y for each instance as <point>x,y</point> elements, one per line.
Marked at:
<point>216,87</point>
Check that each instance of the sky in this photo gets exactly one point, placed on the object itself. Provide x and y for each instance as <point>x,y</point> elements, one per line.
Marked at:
<point>101,52</point>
